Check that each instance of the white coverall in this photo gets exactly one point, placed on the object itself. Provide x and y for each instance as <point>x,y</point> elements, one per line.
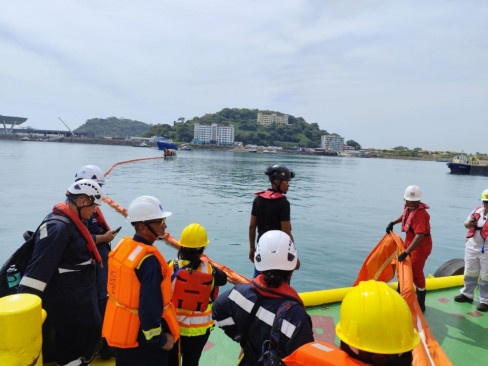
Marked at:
<point>476,262</point>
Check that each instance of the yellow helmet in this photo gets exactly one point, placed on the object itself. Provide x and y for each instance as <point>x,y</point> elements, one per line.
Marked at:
<point>193,236</point>
<point>484,195</point>
<point>376,319</point>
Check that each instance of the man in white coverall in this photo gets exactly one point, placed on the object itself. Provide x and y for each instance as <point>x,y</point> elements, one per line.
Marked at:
<point>475,258</point>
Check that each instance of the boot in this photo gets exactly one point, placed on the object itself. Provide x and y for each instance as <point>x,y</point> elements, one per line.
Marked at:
<point>421,299</point>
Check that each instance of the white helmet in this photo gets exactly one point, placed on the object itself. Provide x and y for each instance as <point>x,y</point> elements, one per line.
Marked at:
<point>89,187</point>
<point>413,193</point>
<point>275,250</point>
<point>146,208</point>
<point>91,172</point>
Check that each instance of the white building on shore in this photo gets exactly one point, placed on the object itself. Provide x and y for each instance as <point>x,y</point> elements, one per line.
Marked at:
<point>267,120</point>
<point>332,142</point>
<point>220,135</point>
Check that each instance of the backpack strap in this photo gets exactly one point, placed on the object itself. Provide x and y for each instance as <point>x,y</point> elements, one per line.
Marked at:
<point>176,269</point>
<point>271,353</point>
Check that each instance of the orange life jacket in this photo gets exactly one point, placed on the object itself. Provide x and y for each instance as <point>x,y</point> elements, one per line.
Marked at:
<point>483,230</point>
<point>192,292</point>
<point>321,354</point>
<point>191,288</point>
<point>121,323</point>
<point>269,194</point>
<point>64,209</point>
<point>101,219</point>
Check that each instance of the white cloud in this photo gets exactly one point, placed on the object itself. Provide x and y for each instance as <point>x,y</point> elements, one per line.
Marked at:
<point>382,73</point>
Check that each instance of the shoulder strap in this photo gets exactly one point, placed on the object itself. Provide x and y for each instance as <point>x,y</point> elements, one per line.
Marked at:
<point>271,353</point>
<point>176,269</point>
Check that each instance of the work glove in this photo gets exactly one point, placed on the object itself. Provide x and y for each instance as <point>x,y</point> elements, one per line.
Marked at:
<point>402,256</point>
<point>389,228</point>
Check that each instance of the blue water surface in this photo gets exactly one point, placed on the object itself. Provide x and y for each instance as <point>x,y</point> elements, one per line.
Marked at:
<point>340,206</point>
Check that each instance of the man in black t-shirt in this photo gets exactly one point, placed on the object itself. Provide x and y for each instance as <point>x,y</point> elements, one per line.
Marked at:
<point>271,209</point>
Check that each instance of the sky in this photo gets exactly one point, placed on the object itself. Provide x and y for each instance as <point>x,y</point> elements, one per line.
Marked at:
<point>382,73</point>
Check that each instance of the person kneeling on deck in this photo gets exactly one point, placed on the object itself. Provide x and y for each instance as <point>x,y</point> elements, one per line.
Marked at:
<point>375,328</point>
<point>195,286</point>
<point>247,312</point>
<point>140,319</point>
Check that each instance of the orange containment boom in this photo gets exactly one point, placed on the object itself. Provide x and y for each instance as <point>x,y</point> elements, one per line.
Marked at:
<point>380,265</point>
<point>232,276</point>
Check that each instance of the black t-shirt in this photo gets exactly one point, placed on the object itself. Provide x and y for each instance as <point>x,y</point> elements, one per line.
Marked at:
<point>270,213</point>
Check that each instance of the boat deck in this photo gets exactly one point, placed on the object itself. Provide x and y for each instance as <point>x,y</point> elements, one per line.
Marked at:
<point>460,329</point>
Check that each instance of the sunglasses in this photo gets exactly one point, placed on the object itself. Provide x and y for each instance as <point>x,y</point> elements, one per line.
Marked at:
<point>485,202</point>
<point>157,221</point>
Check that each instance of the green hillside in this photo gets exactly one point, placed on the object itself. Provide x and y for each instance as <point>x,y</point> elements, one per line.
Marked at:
<point>247,131</point>
<point>112,127</point>
<point>297,133</point>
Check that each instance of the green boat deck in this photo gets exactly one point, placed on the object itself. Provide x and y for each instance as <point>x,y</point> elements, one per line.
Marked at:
<point>460,329</point>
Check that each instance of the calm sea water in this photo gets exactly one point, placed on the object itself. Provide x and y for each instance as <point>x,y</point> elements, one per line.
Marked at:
<point>339,206</point>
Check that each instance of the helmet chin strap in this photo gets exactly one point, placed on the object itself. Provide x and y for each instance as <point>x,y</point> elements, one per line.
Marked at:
<point>278,186</point>
<point>156,236</point>
<point>78,208</point>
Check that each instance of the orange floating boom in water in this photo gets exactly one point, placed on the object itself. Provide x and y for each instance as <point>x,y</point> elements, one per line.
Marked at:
<point>232,276</point>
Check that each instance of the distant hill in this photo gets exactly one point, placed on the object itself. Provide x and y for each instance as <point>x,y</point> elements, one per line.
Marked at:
<point>112,127</point>
<point>297,133</point>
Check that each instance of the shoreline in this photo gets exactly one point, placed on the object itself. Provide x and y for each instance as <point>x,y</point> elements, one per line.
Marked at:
<point>135,143</point>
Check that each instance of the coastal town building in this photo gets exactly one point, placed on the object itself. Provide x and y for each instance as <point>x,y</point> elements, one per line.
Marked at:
<point>268,119</point>
<point>220,135</point>
<point>333,142</point>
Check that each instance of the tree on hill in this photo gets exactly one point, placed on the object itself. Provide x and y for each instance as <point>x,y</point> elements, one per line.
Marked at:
<point>112,127</point>
<point>353,144</point>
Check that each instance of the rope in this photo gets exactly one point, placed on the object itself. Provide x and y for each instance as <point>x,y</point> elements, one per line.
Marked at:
<point>232,277</point>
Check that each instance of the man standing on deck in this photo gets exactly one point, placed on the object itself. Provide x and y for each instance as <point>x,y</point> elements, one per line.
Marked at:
<point>270,208</point>
<point>140,319</point>
<point>62,272</point>
<point>102,236</point>
<point>418,241</point>
<point>475,258</point>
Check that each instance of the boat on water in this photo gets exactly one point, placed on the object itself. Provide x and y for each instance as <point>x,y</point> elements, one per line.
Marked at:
<point>467,165</point>
<point>164,144</point>
<point>169,153</point>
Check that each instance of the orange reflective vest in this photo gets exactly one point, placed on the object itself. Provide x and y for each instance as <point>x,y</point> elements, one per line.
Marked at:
<point>121,323</point>
<point>192,292</point>
<point>321,354</point>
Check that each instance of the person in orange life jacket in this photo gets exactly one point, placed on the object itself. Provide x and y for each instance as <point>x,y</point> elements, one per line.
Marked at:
<point>271,209</point>
<point>375,328</point>
<point>475,258</point>
<point>247,311</point>
<point>62,272</point>
<point>102,236</point>
<point>418,241</point>
<point>195,286</point>
<point>140,321</point>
